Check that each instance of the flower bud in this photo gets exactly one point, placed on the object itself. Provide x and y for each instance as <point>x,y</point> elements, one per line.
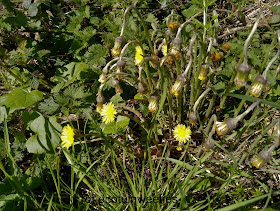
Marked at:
<point>175,47</point>
<point>142,87</point>
<point>153,103</point>
<point>100,100</point>
<point>241,77</point>
<point>178,85</point>
<point>267,86</point>
<point>225,127</point>
<point>116,50</point>
<point>192,118</point>
<point>262,158</point>
<point>208,145</point>
<point>257,86</point>
<point>120,68</point>
<point>153,63</point>
<point>203,72</point>
<point>164,49</point>
<point>102,78</point>
<point>117,86</point>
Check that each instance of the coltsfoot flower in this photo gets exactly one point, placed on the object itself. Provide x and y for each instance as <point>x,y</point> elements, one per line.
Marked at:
<point>208,145</point>
<point>108,113</point>
<point>116,50</point>
<point>178,85</point>
<point>120,68</point>
<point>138,55</point>
<point>262,158</point>
<point>225,127</point>
<point>257,86</point>
<point>241,77</point>
<point>67,136</point>
<point>182,133</point>
<point>203,72</point>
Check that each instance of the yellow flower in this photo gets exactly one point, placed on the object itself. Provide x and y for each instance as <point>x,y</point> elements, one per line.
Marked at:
<point>182,133</point>
<point>138,55</point>
<point>108,113</point>
<point>67,136</point>
<point>164,49</point>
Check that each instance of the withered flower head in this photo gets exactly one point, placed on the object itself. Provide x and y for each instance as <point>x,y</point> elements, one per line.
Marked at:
<point>226,46</point>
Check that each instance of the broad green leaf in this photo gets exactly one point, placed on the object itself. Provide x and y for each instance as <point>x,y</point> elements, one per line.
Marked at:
<point>110,128</point>
<point>122,123</point>
<point>191,11</point>
<point>47,135</point>
<point>20,99</point>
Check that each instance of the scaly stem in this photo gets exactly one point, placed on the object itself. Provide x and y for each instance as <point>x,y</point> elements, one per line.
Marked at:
<point>245,48</point>
<point>249,109</point>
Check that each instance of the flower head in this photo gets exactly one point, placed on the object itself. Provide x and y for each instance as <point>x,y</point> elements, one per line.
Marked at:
<point>100,100</point>
<point>182,133</point>
<point>67,136</point>
<point>108,113</point>
<point>138,55</point>
<point>164,49</point>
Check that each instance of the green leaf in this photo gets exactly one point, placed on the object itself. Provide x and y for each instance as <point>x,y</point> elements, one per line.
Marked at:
<point>49,106</point>
<point>254,99</point>
<point>47,135</point>
<point>122,123</point>
<point>191,11</point>
<point>110,128</point>
<point>95,56</point>
<point>274,19</point>
<point>20,99</point>
<point>116,99</point>
<point>275,9</point>
<point>33,10</point>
